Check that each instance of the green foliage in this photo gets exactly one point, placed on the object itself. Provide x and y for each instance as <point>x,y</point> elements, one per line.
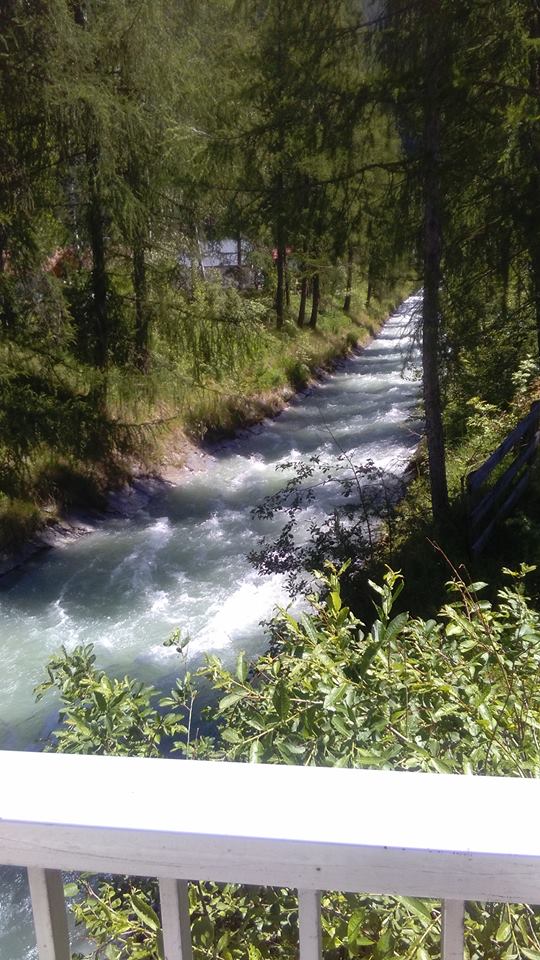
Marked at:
<point>110,716</point>
<point>457,693</point>
<point>19,520</point>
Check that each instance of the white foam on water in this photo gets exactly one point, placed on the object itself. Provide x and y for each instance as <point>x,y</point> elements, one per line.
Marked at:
<point>255,599</point>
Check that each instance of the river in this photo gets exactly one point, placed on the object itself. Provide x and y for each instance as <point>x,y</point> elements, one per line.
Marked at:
<point>181,561</point>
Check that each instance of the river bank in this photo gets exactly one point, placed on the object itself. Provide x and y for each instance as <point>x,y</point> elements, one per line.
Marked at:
<point>129,486</point>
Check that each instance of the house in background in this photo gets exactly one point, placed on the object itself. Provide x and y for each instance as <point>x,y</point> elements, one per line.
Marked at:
<point>227,260</point>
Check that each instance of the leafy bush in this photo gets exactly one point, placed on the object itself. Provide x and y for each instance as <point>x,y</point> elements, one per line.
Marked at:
<point>457,694</point>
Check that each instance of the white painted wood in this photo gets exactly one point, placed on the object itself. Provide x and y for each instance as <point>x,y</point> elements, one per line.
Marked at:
<point>49,909</point>
<point>309,924</point>
<point>307,865</point>
<point>453,934</point>
<point>446,842</point>
<point>432,806</point>
<point>175,920</point>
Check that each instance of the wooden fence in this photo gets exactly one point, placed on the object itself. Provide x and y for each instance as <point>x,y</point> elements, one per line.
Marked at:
<point>450,838</point>
<point>489,504</point>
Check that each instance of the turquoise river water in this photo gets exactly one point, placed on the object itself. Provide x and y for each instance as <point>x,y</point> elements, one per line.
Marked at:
<point>181,561</point>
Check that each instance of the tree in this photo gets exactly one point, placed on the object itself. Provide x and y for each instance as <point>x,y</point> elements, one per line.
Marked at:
<point>115,114</point>
<point>27,155</point>
<point>305,68</point>
<point>454,90</point>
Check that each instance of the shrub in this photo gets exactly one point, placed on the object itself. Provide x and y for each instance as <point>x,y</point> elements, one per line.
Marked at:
<point>458,693</point>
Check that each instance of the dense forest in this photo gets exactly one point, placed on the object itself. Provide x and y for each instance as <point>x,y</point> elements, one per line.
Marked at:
<point>132,135</point>
<point>202,202</point>
<point>136,137</point>
<point>350,153</point>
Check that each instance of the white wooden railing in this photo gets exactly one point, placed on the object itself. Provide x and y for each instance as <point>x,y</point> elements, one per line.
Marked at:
<point>440,837</point>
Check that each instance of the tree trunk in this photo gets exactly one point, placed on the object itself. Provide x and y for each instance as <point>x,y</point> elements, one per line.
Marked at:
<point>303,300</point>
<point>370,270</point>
<point>281,242</point>
<point>280,289</point>
<point>78,14</point>
<point>142,318</point>
<point>96,235</point>
<point>432,282</point>
<point>505,260</point>
<point>533,163</point>
<point>200,255</point>
<point>3,249</point>
<point>7,312</point>
<point>279,186</point>
<point>534,257</point>
<point>348,292</point>
<point>315,300</point>
<point>239,265</point>
<point>99,274</point>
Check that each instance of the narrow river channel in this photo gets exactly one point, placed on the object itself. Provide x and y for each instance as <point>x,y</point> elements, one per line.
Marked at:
<point>181,562</point>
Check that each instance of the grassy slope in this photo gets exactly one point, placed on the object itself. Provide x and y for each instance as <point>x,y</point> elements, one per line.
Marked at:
<point>282,362</point>
<point>286,361</point>
<point>429,557</point>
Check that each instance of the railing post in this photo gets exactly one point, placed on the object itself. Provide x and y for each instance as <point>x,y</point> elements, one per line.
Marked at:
<point>49,909</point>
<point>175,919</point>
<point>453,938</point>
<point>309,924</point>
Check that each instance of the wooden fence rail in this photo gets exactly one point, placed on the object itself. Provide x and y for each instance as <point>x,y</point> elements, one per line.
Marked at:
<point>449,838</point>
<point>489,504</point>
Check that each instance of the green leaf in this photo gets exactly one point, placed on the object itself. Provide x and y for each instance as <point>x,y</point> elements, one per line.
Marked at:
<point>396,626</point>
<point>370,653</point>
<point>335,695</point>
<point>336,600</point>
<point>231,699</point>
<point>503,933</point>
<point>230,735</point>
<point>355,936</point>
<point>281,700</point>
<point>204,929</point>
<point>441,766</point>
<point>100,700</point>
<point>530,954</point>
<point>71,889</point>
<point>255,752</point>
<point>241,667</point>
<point>145,912</point>
<point>223,941</point>
<point>289,751</point>
<point>340,725</point>
<point>418,906</point>
<point>80,725</point>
